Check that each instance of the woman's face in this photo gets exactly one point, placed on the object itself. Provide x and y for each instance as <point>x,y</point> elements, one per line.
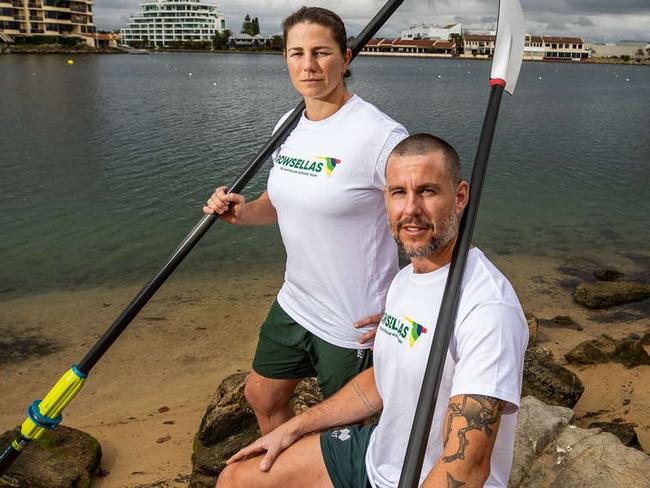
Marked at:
<point>316,65</point>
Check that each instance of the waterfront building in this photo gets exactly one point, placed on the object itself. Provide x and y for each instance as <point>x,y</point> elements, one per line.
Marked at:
<point>534,48</point>
<point>71,19</point>
<point>161,22</point>
<point>428,31</point>
<point>564,48</point>
<point>478,45</point>
<point>634,49</point>
<point>405,47</point>
<point>244,40</point>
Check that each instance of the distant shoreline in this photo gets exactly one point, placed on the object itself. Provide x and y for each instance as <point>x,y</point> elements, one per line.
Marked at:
<point>50,49</point>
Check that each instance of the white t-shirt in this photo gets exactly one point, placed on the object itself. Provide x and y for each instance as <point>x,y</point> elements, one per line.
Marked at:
<point>485,357</point>
<point>326,185</point>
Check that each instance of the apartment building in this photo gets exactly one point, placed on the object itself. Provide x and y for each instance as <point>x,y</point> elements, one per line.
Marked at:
<point>163,21</point>
<point>60,18</point>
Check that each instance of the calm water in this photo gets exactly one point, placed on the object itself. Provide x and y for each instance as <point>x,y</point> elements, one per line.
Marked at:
<point>105,164</point>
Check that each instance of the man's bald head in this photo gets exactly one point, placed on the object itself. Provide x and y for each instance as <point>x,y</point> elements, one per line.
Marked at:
<point>424,144</point>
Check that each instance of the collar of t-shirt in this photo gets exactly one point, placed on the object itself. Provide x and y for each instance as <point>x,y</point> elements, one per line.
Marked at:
<point>347,106</point>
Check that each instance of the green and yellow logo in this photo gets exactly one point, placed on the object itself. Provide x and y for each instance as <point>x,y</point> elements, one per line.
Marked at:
<point>330,164</point>
<point>309,167</point>
<point>400,330</point>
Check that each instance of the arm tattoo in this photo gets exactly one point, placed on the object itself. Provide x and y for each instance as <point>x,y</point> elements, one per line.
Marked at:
<point>452,483</point>
<point>362,396</point>
<point>480,412</point>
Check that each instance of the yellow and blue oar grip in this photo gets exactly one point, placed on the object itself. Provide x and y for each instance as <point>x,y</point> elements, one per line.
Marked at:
<point>46,414</point>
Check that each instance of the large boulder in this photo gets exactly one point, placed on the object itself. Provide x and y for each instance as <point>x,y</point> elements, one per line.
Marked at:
<point>603,349</point>
<point>229,424</point>
<point>549,453</point>
<point>549,381</point>
<point>624,431</point>
<point>604,294</point>
<point>61,458</point>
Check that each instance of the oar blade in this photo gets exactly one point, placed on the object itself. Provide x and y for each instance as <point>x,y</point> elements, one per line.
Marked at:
<point>509,48</point>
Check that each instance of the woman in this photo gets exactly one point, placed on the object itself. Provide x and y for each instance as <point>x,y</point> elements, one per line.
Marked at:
<point>325,191</point>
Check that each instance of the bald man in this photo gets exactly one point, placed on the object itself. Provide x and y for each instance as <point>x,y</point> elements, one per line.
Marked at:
<point>472,436</point>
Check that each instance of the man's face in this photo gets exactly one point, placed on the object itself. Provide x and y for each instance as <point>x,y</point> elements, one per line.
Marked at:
<point>423,205</point>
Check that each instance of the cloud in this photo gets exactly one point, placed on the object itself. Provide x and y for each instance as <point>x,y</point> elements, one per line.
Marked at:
<point>591,19</point>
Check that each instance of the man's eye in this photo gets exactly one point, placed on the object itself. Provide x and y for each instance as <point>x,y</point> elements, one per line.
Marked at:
<point>397,193</point>
<point>428,191</point>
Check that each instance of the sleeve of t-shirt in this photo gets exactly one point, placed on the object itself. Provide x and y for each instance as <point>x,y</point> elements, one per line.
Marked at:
<point>490,344</point>
<point>396,136</point>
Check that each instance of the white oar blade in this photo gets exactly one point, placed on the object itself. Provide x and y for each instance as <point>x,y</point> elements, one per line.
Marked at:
<point>509,48</point>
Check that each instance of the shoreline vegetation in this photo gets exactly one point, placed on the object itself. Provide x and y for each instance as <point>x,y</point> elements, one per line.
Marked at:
<point>78,50</point>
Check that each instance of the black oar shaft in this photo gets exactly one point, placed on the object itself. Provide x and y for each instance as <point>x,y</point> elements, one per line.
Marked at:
<point>421,427</point>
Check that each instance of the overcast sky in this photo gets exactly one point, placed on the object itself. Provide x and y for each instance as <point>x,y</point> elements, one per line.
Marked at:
<point>608,20</point>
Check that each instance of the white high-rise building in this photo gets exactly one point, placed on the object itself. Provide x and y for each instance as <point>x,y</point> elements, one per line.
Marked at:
<point>428,31</point>
<point>163,21</point>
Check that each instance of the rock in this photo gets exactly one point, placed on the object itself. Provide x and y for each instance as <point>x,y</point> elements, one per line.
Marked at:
<point>590,458</point>
<point>551,454</point>
<point>562,322</point>
<point>537,426</point>
<point>229,424</point>
<point>645,340</point>
<point>62,458</point>
<point>548,381</point>
<point>604,294</point>
<point>604,349</point>
<point>608,274</point>
<point>533,327</point>
<point>624,431</point>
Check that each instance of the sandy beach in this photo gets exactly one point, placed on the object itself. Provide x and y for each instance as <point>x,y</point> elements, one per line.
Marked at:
<point>146,397</point>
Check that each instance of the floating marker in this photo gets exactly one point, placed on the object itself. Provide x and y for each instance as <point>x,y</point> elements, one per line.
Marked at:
<point>214,84</point>
<point>189,74</point>
<point>70,61</point>
<point>627,79</point>
<point>439,76</point>
<point>539,77</point>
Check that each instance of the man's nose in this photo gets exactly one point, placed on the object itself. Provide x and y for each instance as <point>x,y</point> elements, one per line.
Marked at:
<point>413,204</point>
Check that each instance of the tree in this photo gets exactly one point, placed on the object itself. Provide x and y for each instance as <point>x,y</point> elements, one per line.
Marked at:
<point>277,43</point>
<point>458,39</point>
<point>220,39</point>
<point>255,26</point>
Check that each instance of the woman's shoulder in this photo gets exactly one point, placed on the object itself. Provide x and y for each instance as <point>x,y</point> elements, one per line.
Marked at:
<point>372,114</point>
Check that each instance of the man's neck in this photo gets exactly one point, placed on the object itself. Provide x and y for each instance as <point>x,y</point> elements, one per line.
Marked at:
<point>434,261</point>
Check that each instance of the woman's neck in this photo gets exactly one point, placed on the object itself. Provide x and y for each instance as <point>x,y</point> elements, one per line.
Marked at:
<point>322,108</point>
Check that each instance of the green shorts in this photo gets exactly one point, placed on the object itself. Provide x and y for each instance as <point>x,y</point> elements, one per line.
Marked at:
<point>286,350</point>
<point>344,453</point>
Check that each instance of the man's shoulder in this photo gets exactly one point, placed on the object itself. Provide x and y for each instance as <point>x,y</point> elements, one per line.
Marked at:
<point>485,282</point>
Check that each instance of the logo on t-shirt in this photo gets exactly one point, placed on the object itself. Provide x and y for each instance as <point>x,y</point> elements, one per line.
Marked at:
<point>400,330</point>
<point>330,164</point>
<point>307,167</point>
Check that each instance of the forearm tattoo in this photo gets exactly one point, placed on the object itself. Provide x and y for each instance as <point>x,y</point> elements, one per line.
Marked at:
<point>480,412</point>
<point>362,396</point>
<point>452,483</point>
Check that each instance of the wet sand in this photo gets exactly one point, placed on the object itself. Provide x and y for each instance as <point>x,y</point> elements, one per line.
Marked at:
<point>145,398</point>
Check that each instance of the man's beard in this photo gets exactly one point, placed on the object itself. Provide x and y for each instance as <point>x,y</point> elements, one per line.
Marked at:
<point>446,230</point>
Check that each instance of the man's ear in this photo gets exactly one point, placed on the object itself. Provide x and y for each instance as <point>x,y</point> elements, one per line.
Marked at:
<point>462,195</point>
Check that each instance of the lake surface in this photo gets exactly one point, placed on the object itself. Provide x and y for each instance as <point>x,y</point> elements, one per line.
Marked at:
<point>105,164</point>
